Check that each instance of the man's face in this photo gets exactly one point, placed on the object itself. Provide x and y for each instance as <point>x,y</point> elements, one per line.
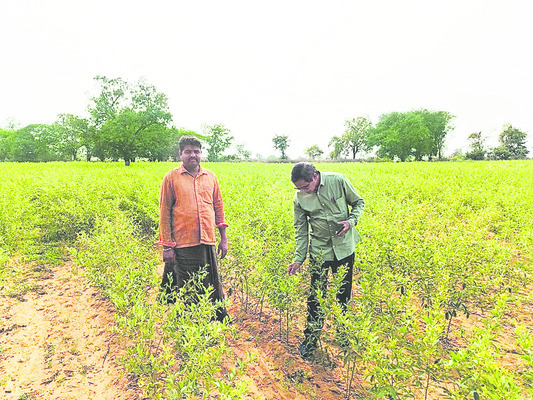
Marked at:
<point>191,157</point>
<point>305,186</point>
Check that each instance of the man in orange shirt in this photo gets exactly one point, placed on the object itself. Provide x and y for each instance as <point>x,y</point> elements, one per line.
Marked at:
<point>190,208</point>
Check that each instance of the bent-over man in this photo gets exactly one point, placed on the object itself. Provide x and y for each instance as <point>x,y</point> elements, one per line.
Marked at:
<point>326,210</point>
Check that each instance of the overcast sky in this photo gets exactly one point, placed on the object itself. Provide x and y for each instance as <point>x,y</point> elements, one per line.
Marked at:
<point>295,68</point>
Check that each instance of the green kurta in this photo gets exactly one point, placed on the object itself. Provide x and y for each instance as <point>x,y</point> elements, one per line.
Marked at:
<point>336,200</point>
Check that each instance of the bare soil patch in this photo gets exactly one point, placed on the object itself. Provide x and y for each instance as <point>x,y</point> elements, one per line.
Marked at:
<point>56,342</point>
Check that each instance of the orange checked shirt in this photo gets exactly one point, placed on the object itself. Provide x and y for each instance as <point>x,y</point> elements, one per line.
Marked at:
<point>189,208</point>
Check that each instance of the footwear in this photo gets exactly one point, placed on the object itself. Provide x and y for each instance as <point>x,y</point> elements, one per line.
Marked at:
<point>307,349</point>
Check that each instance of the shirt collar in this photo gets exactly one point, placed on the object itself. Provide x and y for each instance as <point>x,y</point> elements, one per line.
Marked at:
<point>182,170</point>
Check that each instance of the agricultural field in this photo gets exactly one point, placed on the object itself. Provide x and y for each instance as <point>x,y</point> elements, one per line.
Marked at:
<point>442,306</point>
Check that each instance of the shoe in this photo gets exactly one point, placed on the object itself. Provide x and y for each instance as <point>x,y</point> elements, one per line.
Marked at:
<point>307,350</point>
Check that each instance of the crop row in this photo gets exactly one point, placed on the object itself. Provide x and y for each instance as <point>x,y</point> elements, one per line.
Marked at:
<point>443,274</point>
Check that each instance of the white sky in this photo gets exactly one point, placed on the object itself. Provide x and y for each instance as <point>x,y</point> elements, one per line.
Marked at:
<point>296,68</point>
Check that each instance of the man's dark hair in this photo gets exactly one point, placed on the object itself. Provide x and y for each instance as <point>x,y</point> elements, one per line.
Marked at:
<point>303,170</point>
<point>187,140</point>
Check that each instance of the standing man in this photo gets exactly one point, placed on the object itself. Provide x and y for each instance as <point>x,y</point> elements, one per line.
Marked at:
<point>328,204</point>
<point>190,208</point>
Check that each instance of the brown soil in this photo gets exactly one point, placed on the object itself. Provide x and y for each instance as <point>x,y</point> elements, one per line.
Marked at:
<point>57,342</point>
<point>278,372</point>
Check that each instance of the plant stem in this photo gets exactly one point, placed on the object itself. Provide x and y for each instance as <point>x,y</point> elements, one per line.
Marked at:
<point>449,325</point>
<point>427,387</point>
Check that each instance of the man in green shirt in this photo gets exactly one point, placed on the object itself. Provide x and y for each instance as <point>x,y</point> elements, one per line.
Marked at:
<point>326,211</point>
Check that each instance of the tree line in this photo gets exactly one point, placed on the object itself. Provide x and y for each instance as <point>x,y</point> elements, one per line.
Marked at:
<point>512,146</point>
<point>128,121</point>
<point>416,135</point>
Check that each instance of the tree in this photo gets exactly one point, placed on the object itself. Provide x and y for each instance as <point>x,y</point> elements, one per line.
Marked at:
<point>6,137</point>
<point>338,147</point>
<point>128,118</point>
<point>314,151</point>
<point>514,141</point>
<point>242,153</point>
<point>281,143</point>
<point>219,139</point>
<point>418,134</point>
<point>112,97</point>
<point>499,153</point>
<point>70,130</point>
<point>477,147</point>
<point>355,136</point>
<point>34,142</point>
<point>401,135</point>
<point>353,140</point>
<point>438,124</point>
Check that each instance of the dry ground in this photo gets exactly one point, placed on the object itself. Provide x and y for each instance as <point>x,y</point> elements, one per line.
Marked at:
<point>57,342</point>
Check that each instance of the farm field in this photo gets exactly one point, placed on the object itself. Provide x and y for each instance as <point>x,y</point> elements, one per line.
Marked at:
<point>441,306</point>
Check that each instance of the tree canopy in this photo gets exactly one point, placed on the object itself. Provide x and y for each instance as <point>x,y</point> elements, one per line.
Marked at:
<point>314,151</point>
<point>514,141</point>
<point>416,134</point>
<point>219,140</point>
<point>281,143</point>
<point>477,146</point>
<point>129,118</point>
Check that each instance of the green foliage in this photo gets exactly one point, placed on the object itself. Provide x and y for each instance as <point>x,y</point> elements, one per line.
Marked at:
<point>219,139</point>
<point>476,366</point>
<point>128,119</point>
<point>242,153</point>
<point>34,142</point>
<point>477,146</point>
<point>444,243</point>
<point>439,124</point>
<point>338,147</point>
<point>354,139</point>
<point>514,141</point>
<point>71,133</point>
<point>281,143</point>
<point>416,134</point>
<point>314,151</point>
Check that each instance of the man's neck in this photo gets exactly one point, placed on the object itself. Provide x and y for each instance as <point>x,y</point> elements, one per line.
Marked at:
<point>193,171</point>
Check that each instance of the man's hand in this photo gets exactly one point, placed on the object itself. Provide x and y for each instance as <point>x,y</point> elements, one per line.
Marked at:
<point>223,248</point>
<point>293,268</point>
<point>168,255</point>
<point>344,226</point>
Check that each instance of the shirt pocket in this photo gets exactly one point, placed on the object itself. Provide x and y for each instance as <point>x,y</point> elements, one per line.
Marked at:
<point>205,192</point>
<point>339,206</point>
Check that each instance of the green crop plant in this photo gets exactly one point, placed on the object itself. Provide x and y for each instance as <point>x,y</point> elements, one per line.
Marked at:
<point>439,239</point>
<point>524,338</point>
<point>354,328</point>
<point>475,370</point>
